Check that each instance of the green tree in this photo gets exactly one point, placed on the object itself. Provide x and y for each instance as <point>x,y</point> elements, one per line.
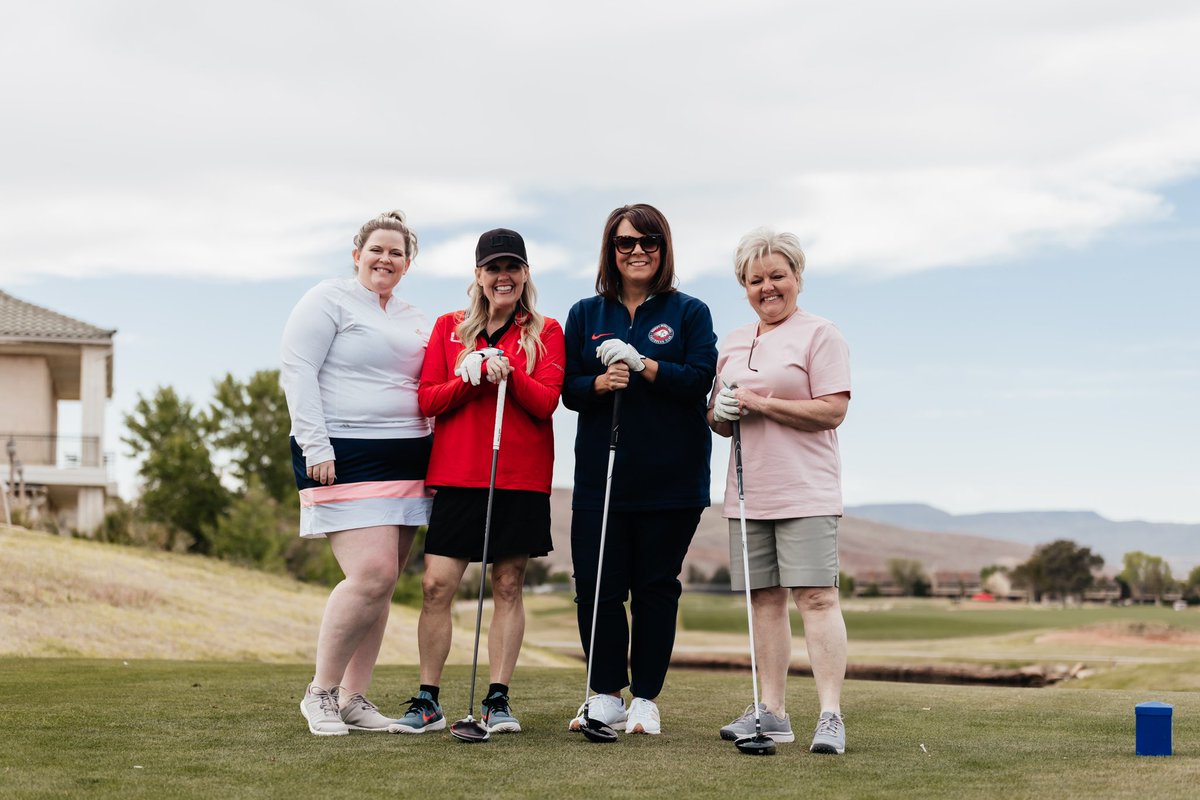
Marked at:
<point>536,572</point>
<point>1147,575</point>
<point>909,575</point>
<point>1061,568</point>
<point>250,421</point>
<point>1192,586</point>
<point>253,530</point>
<point>180,489</point>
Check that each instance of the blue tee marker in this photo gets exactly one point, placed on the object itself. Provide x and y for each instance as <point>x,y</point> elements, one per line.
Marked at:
<point>1153,736</point>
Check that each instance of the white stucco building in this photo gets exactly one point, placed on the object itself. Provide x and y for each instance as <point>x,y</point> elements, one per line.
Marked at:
<point>46,357</point>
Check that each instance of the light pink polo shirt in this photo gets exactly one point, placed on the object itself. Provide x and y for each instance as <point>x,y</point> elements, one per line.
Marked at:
<point>787,473</point>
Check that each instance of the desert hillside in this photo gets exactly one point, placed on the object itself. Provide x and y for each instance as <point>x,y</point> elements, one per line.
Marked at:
<point>68,597</point>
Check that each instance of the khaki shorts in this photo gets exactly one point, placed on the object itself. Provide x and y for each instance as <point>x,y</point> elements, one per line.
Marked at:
<point>785,552</point>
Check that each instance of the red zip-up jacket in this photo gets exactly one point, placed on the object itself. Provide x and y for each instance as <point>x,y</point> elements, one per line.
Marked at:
<point>466,415</point>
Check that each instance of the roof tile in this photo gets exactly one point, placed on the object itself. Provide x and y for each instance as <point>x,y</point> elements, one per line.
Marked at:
<point>22,320</point>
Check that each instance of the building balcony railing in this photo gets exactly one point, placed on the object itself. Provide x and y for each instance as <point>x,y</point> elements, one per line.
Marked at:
<point>52,450</point>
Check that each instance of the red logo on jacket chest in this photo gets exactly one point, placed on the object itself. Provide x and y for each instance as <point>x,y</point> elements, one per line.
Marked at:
<point>661,334</point>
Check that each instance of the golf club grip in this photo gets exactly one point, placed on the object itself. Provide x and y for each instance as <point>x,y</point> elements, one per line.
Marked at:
<point>501,391</point>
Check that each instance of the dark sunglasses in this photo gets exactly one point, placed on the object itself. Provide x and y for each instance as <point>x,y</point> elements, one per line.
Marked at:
<point>650,243</point>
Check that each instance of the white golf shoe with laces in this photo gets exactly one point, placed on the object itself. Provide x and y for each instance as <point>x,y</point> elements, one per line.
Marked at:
<point>320,709</point>
<point>603,708</point>
<point>643,717</point>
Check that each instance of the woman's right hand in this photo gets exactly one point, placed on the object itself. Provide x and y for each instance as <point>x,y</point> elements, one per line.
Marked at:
<point>323,473</point>
<point>498,368</point>
<point>614,379</point>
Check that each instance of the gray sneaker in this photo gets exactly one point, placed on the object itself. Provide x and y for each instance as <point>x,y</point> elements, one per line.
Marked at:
<point>830,736</point>
<point>423,715</point>
<point>320,708</point>
<point>360,714</point>
<point>497,715</point>
<point>779,730</point>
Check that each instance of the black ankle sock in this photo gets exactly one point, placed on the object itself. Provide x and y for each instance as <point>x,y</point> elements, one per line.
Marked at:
<point>433,690</point>
<point>498,687</point>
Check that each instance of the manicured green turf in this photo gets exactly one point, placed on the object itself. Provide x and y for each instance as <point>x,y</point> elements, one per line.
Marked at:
<point>906,620</point>
<point>177,729</point>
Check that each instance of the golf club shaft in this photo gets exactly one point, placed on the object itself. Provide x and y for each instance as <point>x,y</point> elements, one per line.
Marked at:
<point>737,461</point>
<point>501,390</point>
<point>612,453</point>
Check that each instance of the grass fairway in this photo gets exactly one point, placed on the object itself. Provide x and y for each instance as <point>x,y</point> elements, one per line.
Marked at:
<point>907,618</point>
<point>76,728</point>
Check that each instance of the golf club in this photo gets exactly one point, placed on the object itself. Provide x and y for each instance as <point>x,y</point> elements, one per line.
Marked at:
<point>469,730</point>
<point>758,744</point>
<point>593,729</point>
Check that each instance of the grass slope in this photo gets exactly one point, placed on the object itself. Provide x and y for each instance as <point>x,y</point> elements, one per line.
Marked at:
<point>69,597</point>
<point>192,729</point>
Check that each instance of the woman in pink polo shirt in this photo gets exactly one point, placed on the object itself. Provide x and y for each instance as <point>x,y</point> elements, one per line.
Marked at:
<point>787,377</point>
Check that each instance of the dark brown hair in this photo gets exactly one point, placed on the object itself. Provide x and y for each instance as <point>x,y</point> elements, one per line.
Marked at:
<point>647,219</point>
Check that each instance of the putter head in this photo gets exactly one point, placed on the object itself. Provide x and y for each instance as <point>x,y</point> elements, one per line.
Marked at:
<point>758,745</point>
<point>596,731</point>
<point>469,731</point>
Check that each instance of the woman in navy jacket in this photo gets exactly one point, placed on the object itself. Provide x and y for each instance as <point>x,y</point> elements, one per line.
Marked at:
<point>656,345</point>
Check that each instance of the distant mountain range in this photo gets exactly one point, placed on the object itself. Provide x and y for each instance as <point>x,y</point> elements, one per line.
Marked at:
<point>1179,544</point>
<point>863,545</point>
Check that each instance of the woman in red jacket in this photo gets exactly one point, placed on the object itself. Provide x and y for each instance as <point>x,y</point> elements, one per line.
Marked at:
<point>499,336</point>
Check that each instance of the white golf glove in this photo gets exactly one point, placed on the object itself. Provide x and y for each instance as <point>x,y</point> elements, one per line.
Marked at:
<point>472,365</point>
<point>614,350</point>
<point>725,408</point>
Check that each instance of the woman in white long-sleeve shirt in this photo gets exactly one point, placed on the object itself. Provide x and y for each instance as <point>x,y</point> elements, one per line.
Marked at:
<point>352,354</point>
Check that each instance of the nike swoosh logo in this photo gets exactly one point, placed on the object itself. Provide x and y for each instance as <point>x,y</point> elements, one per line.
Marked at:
<point>596,336</point>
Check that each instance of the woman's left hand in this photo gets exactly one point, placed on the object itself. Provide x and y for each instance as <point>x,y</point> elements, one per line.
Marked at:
<point>613,350</point>
<point>498,368</point>
<point>472,364</point>
<point>727,407</point>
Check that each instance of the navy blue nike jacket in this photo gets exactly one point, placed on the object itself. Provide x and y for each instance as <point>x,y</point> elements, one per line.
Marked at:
<point>664,443</point>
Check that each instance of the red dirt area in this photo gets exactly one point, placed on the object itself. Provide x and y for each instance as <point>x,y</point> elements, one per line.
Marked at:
<point>1133,634</point>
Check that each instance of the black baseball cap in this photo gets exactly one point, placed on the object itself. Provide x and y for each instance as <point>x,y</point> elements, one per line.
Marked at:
<point>499,243</point>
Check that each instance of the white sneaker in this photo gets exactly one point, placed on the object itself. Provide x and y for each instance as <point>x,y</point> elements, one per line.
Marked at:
<point>320,709</point>
<point>643,717</point>
<point>602,708</point>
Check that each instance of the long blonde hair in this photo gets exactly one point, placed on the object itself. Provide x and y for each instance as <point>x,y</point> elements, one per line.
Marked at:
<point>473,321</point>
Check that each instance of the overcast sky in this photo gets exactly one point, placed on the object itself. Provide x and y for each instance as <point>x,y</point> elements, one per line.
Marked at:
<point>1000,202</point>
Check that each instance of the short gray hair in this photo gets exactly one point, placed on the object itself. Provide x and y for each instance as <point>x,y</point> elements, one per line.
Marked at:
<point>762,242</point>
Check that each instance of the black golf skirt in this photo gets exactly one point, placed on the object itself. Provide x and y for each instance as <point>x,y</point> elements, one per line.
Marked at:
<point>520,524</point>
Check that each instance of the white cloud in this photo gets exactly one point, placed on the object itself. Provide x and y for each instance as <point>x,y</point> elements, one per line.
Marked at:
<point>455,257</point>
<point>242,227</point>
<point>236,141</point>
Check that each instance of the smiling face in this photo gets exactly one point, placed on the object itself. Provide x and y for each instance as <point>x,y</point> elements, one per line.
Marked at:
<point>503,282</point>
<point>639,267</point>
<point>382,261</point>
<point>772,288</point>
